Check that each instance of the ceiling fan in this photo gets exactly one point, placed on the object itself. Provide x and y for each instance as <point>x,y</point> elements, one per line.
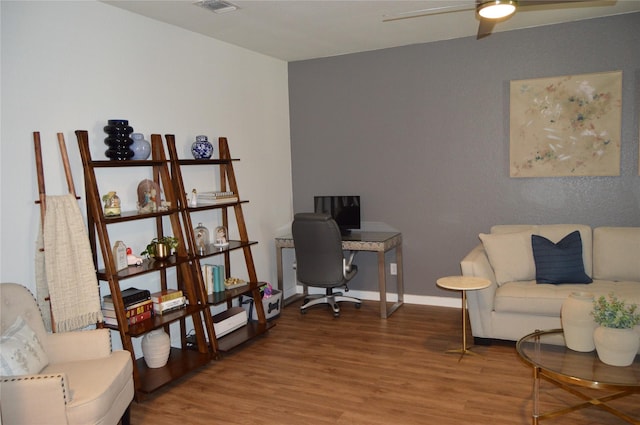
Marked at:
<point>489,12</point>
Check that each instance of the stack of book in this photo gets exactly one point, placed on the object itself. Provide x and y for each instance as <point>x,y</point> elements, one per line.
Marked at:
<point>213,276</point>
<point>214,198</point>
<point>137,303</point>
<point>167,301</point>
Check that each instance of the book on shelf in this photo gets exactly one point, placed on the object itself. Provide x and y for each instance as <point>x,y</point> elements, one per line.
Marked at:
<point>213,198</point>
<point>132,320</point>
<point>218,278</point>
<point>207,278</point>
<point>108,305</point>
<point>108,309</point>
<point>166,295</point>
<point>167,306</point>
<point>213,278</point>
<point>215,194</point>
<point>130,296</point>
<point>217,201</point>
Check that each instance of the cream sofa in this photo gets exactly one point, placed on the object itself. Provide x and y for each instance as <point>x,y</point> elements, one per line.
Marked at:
<point>515,304</point>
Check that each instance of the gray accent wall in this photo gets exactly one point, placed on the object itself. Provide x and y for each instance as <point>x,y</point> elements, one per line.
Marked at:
<point>421,133</point>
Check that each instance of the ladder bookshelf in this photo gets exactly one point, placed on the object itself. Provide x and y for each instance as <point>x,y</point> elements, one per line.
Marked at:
<point>227,183</point>
<point>185,358</point>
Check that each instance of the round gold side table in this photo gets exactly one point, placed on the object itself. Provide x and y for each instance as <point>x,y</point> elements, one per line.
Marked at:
<point>463,284</point>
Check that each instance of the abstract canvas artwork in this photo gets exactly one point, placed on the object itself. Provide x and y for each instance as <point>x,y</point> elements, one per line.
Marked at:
<point>566,126</point>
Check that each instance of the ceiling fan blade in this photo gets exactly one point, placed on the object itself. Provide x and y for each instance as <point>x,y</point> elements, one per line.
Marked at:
<point>485,28</point>
<point>426,12</point>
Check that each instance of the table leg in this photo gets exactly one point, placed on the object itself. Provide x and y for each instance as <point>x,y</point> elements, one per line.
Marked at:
<point>464,321</point>
<point>464,349</point>
<point>536,394</point>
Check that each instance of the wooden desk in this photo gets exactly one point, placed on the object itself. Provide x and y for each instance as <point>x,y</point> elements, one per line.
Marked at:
<point>379,242</point>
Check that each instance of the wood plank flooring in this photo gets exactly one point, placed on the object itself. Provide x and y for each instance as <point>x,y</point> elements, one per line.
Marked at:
<point>362,370</point>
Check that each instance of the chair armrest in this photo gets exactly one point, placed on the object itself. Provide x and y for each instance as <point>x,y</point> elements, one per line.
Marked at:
<point>34,399</point>
<point>79,345</point>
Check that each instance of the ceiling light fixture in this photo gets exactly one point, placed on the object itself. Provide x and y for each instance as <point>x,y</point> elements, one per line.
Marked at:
<point>497,9</point>
<point>217,6</point>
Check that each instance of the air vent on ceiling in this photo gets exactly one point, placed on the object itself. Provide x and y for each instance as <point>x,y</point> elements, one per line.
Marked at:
<point>217,6</point>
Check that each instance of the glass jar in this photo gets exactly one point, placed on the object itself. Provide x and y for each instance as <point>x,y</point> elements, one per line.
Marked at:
<point>201,234</point>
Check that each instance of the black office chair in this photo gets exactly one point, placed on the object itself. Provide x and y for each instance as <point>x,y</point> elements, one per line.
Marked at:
<point>321,261</point>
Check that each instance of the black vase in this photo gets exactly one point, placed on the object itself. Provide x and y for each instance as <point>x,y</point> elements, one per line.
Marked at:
<point>118,140</point>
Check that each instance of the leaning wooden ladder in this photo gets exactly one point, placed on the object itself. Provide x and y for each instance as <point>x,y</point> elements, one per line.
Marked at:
<point>42,195</point>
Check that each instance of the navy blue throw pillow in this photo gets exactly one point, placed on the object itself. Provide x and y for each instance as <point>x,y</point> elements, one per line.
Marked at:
<point>561,262</point>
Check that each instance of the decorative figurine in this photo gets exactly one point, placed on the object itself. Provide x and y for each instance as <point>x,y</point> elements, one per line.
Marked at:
<point>148,194</point>
<point>193,198</point>
<point>120,255</point>
<point>111,204</point>
<point>132,259</point>
<point>221,237</point>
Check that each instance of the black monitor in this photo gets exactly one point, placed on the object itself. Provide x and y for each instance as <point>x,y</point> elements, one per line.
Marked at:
<point>345,210</point>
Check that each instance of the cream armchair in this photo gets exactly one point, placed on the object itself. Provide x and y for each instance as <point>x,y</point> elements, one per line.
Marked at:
<point>83,381</point>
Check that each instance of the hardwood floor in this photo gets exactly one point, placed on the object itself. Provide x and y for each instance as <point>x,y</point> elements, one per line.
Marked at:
<point>359,369</point>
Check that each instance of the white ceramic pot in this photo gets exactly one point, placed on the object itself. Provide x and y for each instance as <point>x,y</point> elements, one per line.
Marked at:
<point>577,321</point>
<point>156,346</point>
<point>616,347</point>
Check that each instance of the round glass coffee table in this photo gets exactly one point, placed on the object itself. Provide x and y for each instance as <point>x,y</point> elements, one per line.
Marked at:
<point>568,369</point>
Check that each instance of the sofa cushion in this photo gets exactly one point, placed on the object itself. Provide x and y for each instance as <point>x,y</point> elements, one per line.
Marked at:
<point>555,232</point>
<point>559,262</point>
<point>546,299</point>
<point>616,253</point>
<point>510,255</point>
<point>21,352</point>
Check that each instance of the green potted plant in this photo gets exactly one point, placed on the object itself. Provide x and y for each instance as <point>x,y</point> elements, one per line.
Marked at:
<point>615,339</point>
<point>160,248</point>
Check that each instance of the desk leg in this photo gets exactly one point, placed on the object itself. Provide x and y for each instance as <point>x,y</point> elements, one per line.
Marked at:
<point>280,284</point>
<point>382,283</point>
<point>400,277</point>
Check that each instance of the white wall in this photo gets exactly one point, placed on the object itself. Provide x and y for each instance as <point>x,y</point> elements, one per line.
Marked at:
<point>69,65</point>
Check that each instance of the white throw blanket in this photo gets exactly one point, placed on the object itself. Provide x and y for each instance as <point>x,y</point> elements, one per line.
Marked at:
<point>68,263</point>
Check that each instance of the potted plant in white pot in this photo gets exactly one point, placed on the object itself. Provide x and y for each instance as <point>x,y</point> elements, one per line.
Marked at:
<point>615,339</point>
